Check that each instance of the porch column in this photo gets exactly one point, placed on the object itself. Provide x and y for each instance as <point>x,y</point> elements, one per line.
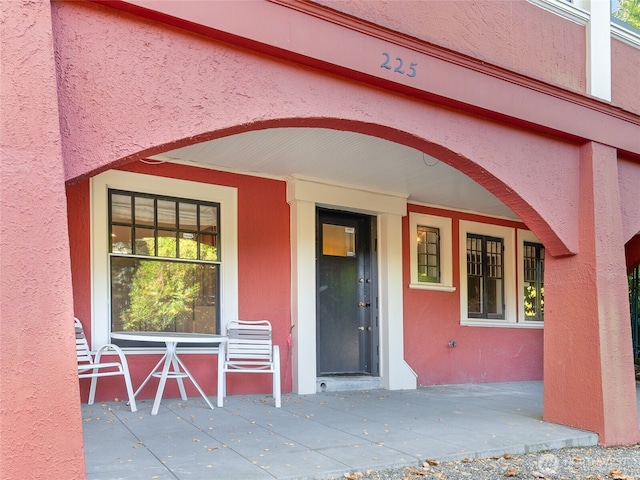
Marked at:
<point>395,371</point>
<point>303,300</point>
<point>40,419</point>
<point>588,360</point>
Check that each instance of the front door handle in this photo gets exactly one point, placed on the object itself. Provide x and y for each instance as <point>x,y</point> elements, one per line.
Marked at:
<point>362,304</point>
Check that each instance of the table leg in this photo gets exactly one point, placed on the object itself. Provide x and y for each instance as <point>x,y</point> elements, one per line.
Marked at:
<point>171,351</point>
<point>193,380</point>
<point>153,370</point>
<point>178,376</point>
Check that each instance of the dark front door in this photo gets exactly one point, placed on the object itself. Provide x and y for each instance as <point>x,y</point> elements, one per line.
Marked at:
<point>346,318</point>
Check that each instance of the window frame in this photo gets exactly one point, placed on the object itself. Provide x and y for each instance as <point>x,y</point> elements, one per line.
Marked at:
<point>529,237</point>
<point>443,224</point>
<point>485,276</point>
<point>226,197</point>
<point>507,235</point>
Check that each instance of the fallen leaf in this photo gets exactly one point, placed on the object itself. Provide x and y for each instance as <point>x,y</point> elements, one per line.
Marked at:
<point>353,476</point>
<point>432,462</point>
<point>512,472</point>
<point>507,456</point>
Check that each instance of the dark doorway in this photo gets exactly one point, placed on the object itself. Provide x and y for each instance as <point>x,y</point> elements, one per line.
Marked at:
<point>346,295</point>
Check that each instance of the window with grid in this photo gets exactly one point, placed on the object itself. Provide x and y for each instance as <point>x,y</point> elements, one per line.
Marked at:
<point>533,281</point>
<point>428,255</point>
<point>485,277</point>
<point>164,260</point>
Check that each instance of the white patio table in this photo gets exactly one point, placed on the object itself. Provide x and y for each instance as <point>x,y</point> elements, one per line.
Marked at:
<point>171,359</point>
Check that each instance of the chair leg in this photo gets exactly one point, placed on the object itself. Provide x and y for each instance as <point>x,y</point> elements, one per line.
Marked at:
<point>277,395</point>
<point>221,375</point>
<point>92,389</point>
<point>132,397</point>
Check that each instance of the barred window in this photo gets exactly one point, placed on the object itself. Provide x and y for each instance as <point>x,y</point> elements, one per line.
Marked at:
<point>485,277</point>
<point>533,281</point>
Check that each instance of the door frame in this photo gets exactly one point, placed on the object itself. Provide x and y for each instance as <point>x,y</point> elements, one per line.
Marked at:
<point>304,195</point>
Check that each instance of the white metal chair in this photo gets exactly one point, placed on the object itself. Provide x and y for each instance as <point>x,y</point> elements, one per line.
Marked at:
<point>91,367</point>
<point>249,349</point>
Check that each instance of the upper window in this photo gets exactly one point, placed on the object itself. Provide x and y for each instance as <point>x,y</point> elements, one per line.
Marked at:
<point>627,14</point>
<point>164,263</point>
<point>164,255</point>
<point>487,275</point>
<point>430,252</point>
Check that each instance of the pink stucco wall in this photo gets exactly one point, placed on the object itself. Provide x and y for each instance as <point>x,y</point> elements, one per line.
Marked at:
<point>588,307</point>
<point>212,96</point>
<point>625,65</point>
<point>497,32</point>
<point>432,319</point>
<point>40,425</point>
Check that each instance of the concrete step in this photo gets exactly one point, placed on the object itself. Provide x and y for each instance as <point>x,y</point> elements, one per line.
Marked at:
<point>347,383</point>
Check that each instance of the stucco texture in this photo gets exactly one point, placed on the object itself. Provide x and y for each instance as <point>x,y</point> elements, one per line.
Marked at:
<point>41,430</point>
<point>167,88</point>
<point>499,32</point>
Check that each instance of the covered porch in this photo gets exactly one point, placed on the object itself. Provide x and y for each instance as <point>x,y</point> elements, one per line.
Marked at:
<point>319,436</point>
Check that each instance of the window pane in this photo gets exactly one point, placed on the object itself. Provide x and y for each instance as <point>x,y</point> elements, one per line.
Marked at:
<point>428,254</point>
<point>145,242</point>
<point>338,241</point>
<point>167,246</point>
<point>208,219</point>
<point>166,214</point>
<point>121,239</point>
<point>208,247</point>
<point>188,216</point>
<point>474,295</point>
<point>494,297</point>
<point>188,247</point>
<point>144,211</point>
<point>121,208</point>
<point>163,296</point>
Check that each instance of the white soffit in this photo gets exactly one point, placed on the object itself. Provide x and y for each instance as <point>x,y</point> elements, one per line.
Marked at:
<point>345,158</point>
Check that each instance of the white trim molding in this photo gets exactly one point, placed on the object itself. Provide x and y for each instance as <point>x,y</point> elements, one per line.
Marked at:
<point>508,236</point>
<point>304,195</point>
<point>443,224</point>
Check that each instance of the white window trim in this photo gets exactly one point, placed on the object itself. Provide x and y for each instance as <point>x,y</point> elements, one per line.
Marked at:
<point>524,236</point>
<point>446,252</point>
<point>625,35</point>
<point>136,182</point>
<point>510,311</point>
<point>565,9</point>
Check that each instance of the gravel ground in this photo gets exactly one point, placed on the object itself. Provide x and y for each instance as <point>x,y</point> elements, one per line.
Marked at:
<point>596,463</point>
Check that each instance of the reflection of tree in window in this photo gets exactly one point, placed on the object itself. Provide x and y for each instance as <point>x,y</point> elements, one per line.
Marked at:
<point>627,12</point>
<point>533,281</point>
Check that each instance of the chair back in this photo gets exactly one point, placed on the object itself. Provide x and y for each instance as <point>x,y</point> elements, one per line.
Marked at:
<point>249,343</point>
<point>83,353</point>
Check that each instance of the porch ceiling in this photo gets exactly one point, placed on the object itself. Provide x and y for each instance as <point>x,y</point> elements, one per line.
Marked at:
<point>344,158</point>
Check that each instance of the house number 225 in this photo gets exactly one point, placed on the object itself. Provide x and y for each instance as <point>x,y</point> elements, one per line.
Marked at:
<point>398,65</point>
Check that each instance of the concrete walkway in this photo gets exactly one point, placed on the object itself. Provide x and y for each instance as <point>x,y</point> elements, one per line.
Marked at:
<point>319,436</point>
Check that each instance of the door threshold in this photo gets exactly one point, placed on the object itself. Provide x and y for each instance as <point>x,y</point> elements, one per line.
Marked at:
<point>346,383</point>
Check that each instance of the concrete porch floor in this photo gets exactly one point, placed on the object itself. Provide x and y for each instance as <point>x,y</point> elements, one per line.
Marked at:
<point>318,436</point>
